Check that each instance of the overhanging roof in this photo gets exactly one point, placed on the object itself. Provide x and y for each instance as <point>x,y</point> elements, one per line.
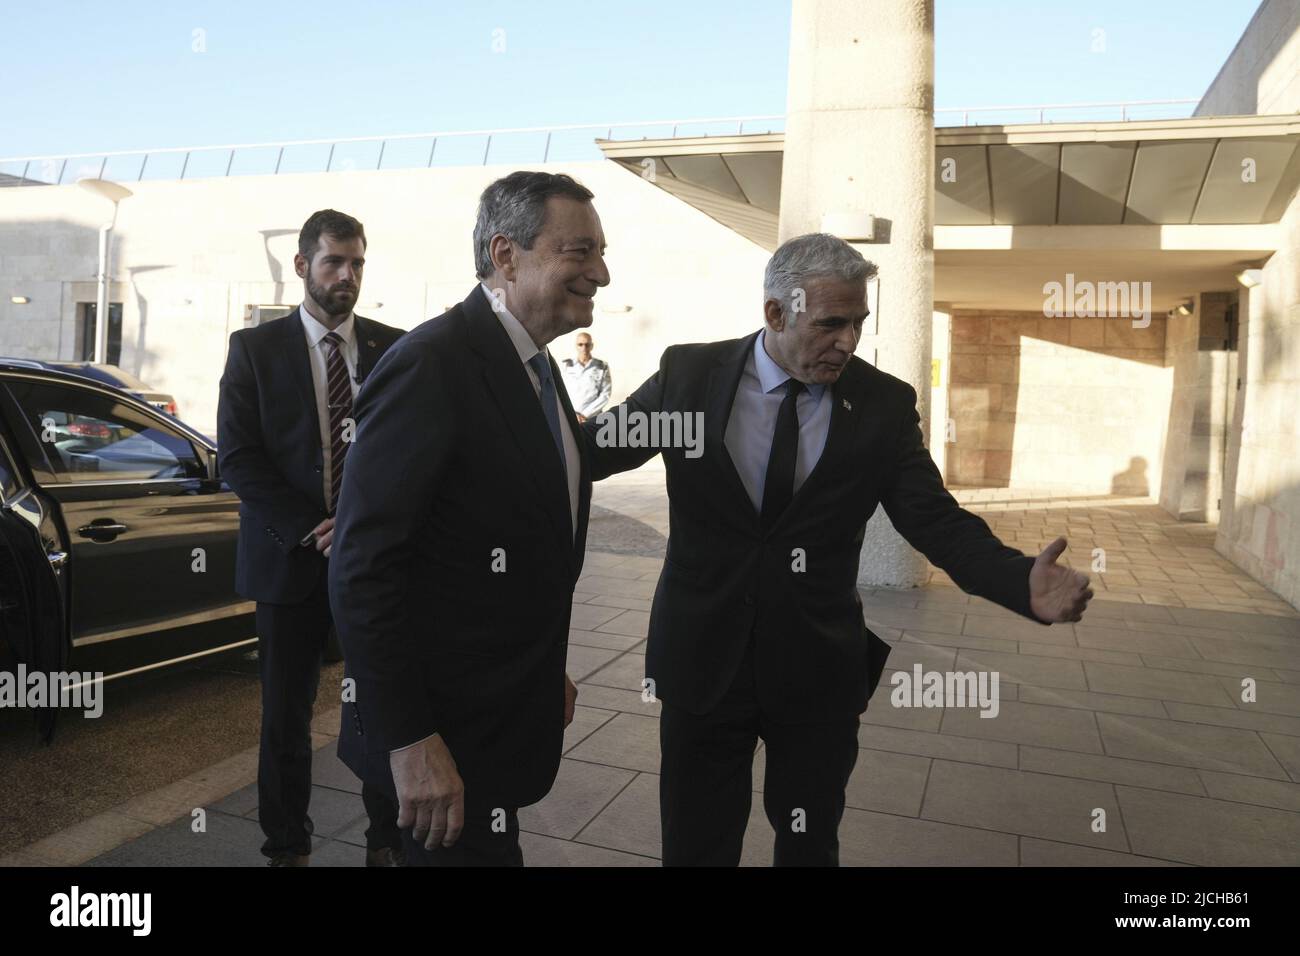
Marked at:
<point>1204,170</point>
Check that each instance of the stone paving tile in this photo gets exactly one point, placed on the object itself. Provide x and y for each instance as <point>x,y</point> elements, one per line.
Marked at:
<point>1025,669</point>
<point>1060,728</point>
<point>631,821</point>
<point>616,699</point>
<point>327,770</point>
<point>1240,789</point>
<point>1286,750</point>
<point>1234,717</point>
<point>1035,852</point>
<point>1080,653</point>
<point>1138,773</point>
<point>1134,642</point>
<point>618,600</point>
<point>541,850</point>
<point>1031,804</point>
<point>587,617</point>
<point>1156,684</point>
<point>968,749</point>
<point>629,623</point>
<point>906,654</point>
<point>1087,700</point>
<point>586,721</point>
<point>881,711</point>
<point>241,803</point>
<point>960,640</point>
<point>333,811</point>
<point>944,622</point>
<point>1188,745</point>
<point>628,741</point>
<point>613,642</point>
<point>1206,667</point>
<point>882,839</point>
<point>1271,697</point>
<point>580,792</point>
<point>1243,652</point>
<point>604,585</point>
<point>625,672</point>
<point>1209,832</point>
<point>887,782</point>
<point>1019,630</point>
<point>583,661</point>
<point>1230,620</point>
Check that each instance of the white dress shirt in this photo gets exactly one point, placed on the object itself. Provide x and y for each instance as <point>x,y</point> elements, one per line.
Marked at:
<point>752,425</point>
<point>318,352</point>
<point>527,348</point>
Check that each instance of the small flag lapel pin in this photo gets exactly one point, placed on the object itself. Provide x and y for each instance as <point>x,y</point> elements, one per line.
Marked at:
<point>847,404</point>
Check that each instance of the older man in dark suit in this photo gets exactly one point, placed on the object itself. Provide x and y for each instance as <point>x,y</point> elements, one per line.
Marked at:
<point>284,427</point>
<point>461,532</point>
<point>756,630</point>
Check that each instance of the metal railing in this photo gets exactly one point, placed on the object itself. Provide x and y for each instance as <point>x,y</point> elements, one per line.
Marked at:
<point>522,144</point>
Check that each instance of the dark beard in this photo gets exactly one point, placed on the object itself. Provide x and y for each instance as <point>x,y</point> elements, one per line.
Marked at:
<point>327,301</point>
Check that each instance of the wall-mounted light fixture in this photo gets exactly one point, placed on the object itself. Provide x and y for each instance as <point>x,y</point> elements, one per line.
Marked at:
<point>1186,308</point>
<point>850,226</point>
<point>19,299</point>
<point>1250,277</point>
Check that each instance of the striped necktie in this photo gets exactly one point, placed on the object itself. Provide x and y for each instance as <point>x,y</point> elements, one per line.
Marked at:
<point>339,390</point>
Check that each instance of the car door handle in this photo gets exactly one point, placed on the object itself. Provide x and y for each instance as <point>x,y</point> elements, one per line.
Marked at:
<point>57,559</point>
<point>106,530</point>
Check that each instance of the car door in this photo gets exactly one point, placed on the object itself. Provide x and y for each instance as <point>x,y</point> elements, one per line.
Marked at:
<point>151,532</point>
<point>33,623</point>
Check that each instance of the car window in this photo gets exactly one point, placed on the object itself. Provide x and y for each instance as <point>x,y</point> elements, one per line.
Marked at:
<point>90,436</point>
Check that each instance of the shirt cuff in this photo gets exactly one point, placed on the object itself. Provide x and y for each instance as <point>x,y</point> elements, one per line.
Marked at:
<point>415,744</point>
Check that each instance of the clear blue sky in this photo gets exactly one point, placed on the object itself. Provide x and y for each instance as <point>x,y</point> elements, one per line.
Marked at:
<point>86,76</point>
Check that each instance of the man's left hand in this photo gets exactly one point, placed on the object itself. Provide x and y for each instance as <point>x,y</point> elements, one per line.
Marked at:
<point>570,700</point>
<point>1056,593</point>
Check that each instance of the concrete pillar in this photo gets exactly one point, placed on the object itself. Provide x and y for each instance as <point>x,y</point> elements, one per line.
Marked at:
<point>860,139</point>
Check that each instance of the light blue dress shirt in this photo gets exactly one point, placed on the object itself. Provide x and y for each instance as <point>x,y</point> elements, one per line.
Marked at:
<point>753,422</point>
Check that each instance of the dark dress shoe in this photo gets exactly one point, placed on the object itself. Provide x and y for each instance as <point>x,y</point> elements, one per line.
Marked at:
<point>289,859</point>
<point>385,856</point>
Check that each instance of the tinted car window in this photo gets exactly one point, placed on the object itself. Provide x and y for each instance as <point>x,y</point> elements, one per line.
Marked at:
<point>8,475</point>
<point>90,436</point>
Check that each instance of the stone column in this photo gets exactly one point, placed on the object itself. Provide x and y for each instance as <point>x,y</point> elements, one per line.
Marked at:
<point>860,139</point>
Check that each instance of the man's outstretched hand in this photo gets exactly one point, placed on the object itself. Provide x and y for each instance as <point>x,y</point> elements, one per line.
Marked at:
<point>1057,593</point>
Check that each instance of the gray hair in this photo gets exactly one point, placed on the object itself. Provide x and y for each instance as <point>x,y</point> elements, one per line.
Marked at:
<point>515,207</point>
<point>816,255</point>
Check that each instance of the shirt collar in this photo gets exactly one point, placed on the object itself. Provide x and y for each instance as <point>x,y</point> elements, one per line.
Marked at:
<point>772,376</point>
<point>519,337</point>
<point>316,331</point>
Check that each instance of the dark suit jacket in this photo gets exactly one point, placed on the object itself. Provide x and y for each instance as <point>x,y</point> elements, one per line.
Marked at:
<point>726,578</point>
<point>269,451</point>
<point>454,471</point>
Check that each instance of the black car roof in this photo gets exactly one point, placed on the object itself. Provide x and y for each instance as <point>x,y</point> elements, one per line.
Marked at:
<point>23,369</point>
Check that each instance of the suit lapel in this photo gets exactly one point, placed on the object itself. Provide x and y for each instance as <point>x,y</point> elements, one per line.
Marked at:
<point>367,347</point>
<point>724,379</point>
<point>584,466</point>
<point>506,380</point>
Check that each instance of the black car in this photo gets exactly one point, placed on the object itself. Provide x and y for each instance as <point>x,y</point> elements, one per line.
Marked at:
<point>117,535</point>
<point>109,375</point>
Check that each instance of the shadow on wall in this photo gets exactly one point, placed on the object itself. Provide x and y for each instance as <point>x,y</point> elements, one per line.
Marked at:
<point>1133,480</point>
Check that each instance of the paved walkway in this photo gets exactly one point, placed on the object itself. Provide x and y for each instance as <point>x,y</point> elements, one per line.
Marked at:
<point>1133,719</point>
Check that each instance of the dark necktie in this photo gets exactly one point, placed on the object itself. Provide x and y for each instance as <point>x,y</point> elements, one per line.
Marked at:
<point>778,487</point>
<point>543,369</point>
<point>339,390</point>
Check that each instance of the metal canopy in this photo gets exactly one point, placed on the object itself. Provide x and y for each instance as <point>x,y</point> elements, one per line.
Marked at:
<point>1216,170</point>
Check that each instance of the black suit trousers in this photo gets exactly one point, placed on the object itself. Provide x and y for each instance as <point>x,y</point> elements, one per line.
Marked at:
<point>706,780</point>
<point>291,638</point>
